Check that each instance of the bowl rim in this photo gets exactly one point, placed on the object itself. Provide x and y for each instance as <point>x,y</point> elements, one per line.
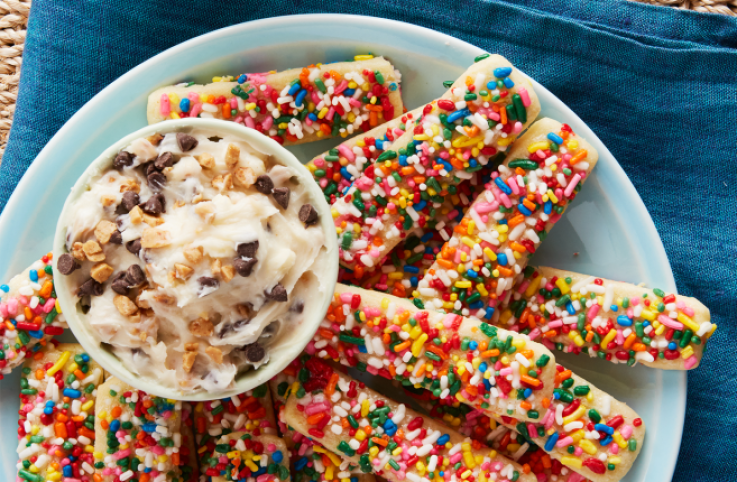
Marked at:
<point>247,380</point>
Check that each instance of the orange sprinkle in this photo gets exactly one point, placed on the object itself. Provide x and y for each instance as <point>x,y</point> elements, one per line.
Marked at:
<point>226,110</point>
<point>629,341</point>
<point>379,441</point>
<point>529,380</point>
<point>526,405</point>
<point>330,388</point>
<point>116,411</point>
<point>579,156</point>
<point>561,376</point>
<point>490,353</point>
<point>639,347</point>
<point>546,402</point>
<point>402,346</point>
<point>315,419</point>
<point>515,220</point>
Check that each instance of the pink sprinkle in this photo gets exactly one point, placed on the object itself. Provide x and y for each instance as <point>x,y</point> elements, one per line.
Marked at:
<point>455,458</point>
<point>158,450</point>
<point>330,114</point>
<point>372,370</point>
<point>559,193</point>
<point>564,441</point>
<point>12,307</point>
<point>494,116</point>
<point>548,419</point>
<point>347,153</point>
<point>505,200</point>
<point>578,450</point>
<point>571,185</point>
<point>271,447</point>
<point>556,323</point>
<point>613,449</point>
<point>449,319</point>
<point>525,96</point>
<point>625,431</point>
<point>250,123</point>
<point>483,208</point>
<point>531,430</point>
<point>121,454</point>
<point>354,102</point>
<point>315,98</point>
<point>534,333</point>
<point>314,408</point>
<point>267,123</point>
<point>505,371</point>
<point>3,309</point>
<point>518,127</point>
<point>375,253</point>
<point>341,87</point>
<point>591,314</point>
<point>670,323</point>
<point>620,337</point>
<point>165,105</point>
<point>346,298</point>
<point>690,362</point>
<point>574,477</point>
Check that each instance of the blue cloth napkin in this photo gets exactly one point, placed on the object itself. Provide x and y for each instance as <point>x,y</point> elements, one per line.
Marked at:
<point>658,85</point>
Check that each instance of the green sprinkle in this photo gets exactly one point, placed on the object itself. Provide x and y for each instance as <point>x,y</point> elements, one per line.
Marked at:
<point>320,85</point>
<point>448,83</point>
<point>379,77</point>
<point>346,449</point>
<point>659,292</point>
<point>581,390</point>
<point>524,164</point>
<point>594,416</point>
<point>481,57</point>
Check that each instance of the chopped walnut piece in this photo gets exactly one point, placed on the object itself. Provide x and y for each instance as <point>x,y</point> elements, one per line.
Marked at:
<point>93,251</point>
<point>191,346</point>
<point>130,185</point>
<point>104,230</point>
<point>215,353</point>
<point>227,272</point>
<point>143,304</point>
<point>245,310</point>
<point>137,319</point>
<point>155,238</point>
<point>193,255</point>
<point>124,305</point>
<point>222,183</point>
<point>142,335</point>
<point>136,215</point>
<point>206,160</point>
<point>78,251</point>
<point>152,221</point>
<point>206,210</point>
<point>232,156</point>
<point>165,299</point>
<point>215,267</point>
<point>201,327</point>
<point>188,360</point>
<point>155,139</point>
<point>183,271</point>
<point>244,177</point>
<point>197,198</point>
<point>108,200</point>
<point>179,204</point>
<point>101,272</point>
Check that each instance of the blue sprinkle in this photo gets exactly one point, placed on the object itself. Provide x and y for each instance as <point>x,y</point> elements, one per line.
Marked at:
<point>390,427</point>
<point>411,269</point>
<point>501,72</point>
<point>606,441</point>
<point>448,165</point>
<point>420,205</point>
<point>508,83</point>
<point>472,274</point>
<point>346,175</point>
<point>261,470</point>
<point>483,366</point>
<point>115,425</point>
<point>604,428</point>
<point>614,308</point>
<point>623,320</point>
<point>555,138</point>
<point>489,313</point>
<point>477,305</point>
<point>443,439</point>
<point>503,186</point>
<point>487,384</point>
<point>312,116</point>
<point>502,221</point>
<point>349,92</point>
<point>184,105</point>
<point>556,396</point>
<point>147,470</point>
<point>527,392</point>
<point>294,88</point>
<point>645,324</point>
<point>473,345</point>
<point>441,473</point>
<point>149,427</point>
<point>428,250</point>
<point>354,479</point>
<point>392,86</point>
<point>5,288</point>
<point>85,357</point>
<point>491,85</point>
<point>523,209</point>
<point>48,410</point>
<point>414,281</point>
<point>473,163</point>
<point>501,258</point>
<point>242,78</point>
<point>72,393</point>
<point>36,333</point>
<point>50,403</point>
<point>298,101</point>
<point>672,345</point>
<point>458,115</point>
<point>402,160</point>
<point>548,207</point>
<point>459,216</point>
<point>426,237</point>
<point>550,444</point>
<point>362,349</point>
<point>36,348</point>
<point>570,309</point>
<point>33,274</point>
<point>67,470</point>
<point>277,456</point>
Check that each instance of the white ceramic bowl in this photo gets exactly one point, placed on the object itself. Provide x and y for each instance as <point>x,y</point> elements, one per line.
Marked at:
<point>292,342</point>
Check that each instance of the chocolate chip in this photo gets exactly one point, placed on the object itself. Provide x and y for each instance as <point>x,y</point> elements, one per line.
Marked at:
<point>247,250</point>
<point>156,181</point>
<point>134,246</point>
<point>308,214</point>
<point>151,168</point>
<point>208,282</point>
<point>156,204</point>
<point>119,284</point>
<point>278,293</point>
<point>135,275</point>
<point>255,353</point>
<point>244,267</point>
<point>66,264</point>
<point>130,200</point>
<point>297,307</point>
<point>116,238</point>
<point>186,142</point>
<point>165,159</point>
<point>264,184</point>
<point>123,159</point>
<point>90,288</point>
<point>281,196</point>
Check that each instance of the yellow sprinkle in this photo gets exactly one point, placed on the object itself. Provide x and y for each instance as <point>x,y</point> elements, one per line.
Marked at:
<point>482,289</point>
<point>365,405</point>
<point>571,461</point>
<point>87,405</point>
<point>587,446</point>
<point>608,338</point>
<point>688,322</point>
<point>687,352</point>
<point>363,57</point>
<point>614,460</point>
<point>537,146</point>
<point>580,411</point>
<point>660,330</point>
<point>463,284</point>
<point>552,196</point>
<point>468,241</point>
<point>360,435</point>
<point>619,440</point>
<point>417,345</point>
<point>561,283</point>
<point>59,363</point>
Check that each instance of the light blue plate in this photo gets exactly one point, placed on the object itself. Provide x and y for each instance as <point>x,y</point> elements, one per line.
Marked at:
<point>606,232</point>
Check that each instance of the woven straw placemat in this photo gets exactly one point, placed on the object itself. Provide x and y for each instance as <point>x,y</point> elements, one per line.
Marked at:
<point>15,18</point>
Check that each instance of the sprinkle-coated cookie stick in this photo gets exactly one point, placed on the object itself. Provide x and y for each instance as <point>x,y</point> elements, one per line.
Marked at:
<point>617,321</point>
<point>293,106</point>
<point>454,357</point>
<point>386,437</point>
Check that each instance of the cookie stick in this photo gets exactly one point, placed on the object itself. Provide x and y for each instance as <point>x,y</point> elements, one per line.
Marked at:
<point>456,136</point>
<point>402,438</point>
<point>26,324</point>
<point>305,453</point>
<point>455,357</point>
<point>188,451</point>
<point>617,321</point>
<point>154,426</point>
<point>534,185</point>
<point>56,375</point>
<point>294,106</point>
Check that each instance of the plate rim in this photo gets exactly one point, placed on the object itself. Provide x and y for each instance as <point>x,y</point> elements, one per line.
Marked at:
<point>654,249</point>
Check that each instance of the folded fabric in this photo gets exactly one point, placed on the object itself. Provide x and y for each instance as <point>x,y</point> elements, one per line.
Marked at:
<point>651,82</point>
